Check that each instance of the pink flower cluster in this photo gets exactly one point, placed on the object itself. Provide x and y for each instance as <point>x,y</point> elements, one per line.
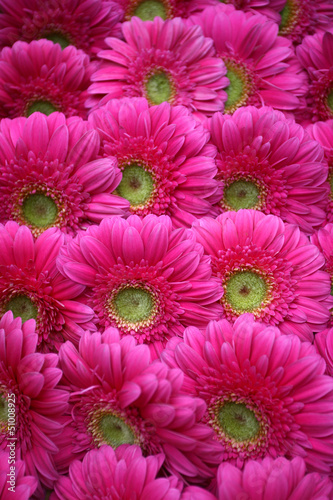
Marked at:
<point>166,249</point>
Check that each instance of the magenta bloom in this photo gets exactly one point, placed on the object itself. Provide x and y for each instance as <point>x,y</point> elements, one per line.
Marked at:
<point>32,288</point>
<point>262,67</point>
<point>28,381</point>
<point>304,17</point>
<point>268,268</point>
<point>268,163</point>
<point>316,56</point>
<point>24,485</point>
<point>162,61</point>
<point>120,397</point>
<point>324,345</point>
<point>322,132</point>
<point>50,175</point>
<point>40,76</point>
<point>266,393</point>
<point>143,277</point>
<point>124,471</point>
<point>280,478</point>
<point>167,166</point>
<point>66,22</point>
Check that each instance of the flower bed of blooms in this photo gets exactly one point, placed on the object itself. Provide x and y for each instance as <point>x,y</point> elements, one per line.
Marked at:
<point>166,249</point>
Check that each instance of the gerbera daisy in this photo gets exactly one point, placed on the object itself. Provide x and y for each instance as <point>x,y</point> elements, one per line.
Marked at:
<point>167,165</point>
<point>322,132</point>
<point>41,77</point>
<point>162,61</point>
<point>268,268</point>
<point>124,471</point>
<point>262,67</point>
<point>316,56</point>
<point>50,174</point>
<point>14,484</point>
<point>30,401</point>
<point>266,393</point>
<point>304,17</point>
<point>324,345</point>
<point>269,163</point>
<point>143,277</point>
<point>279,478</point>
<point>120,397</point>
<point>66,22</point>
<point>32,288</point>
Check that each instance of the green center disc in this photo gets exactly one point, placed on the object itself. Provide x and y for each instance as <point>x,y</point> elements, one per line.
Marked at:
<point>39,210</point>
<point>285,14</point>
<point>21,306</point>
<point>42,106</point>
<point>58,38</point>
<point>136,185</point>
<point>115,432</point>
<point>158,88</point>
<point>148,10</point>
<point>241,194</point>
<point>235,90</point>
<point>3,409</point>
<point>134,304</point>
<point>238,421</point>
<point>330,100</point>
<point>245,291</point>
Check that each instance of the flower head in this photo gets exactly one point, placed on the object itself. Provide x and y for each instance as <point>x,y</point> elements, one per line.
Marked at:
<point>268,268</point>
<point>269,163</point>
<point>262,67</point>
<point>120,397</point>
<point>66,22</point>
<point>50,175</point>
<point>28,383</point>
<point>40,76</point>
<point>167,166</point>
<point>14,483</point>
<point>32,288</point>
<point>143,277</point>
<point>162,61</point>
<point>266,393</point>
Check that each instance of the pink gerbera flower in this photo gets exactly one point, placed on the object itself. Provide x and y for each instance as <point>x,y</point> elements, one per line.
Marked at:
<point>30,401</point>
<point>266,393</point>
<point>316,56</point>
<point>66,22</point>
<point>14,484</point>
<point>268,268</point>
<point>322,132</point>
<point>31,286</point>
<point>167,165</point>
<point>268,163</point>
<point>143,277</point>
<point>262,67</point>
<point>280,478</point>
<point>324,345</point>
<point>303,17</point>
<point>50,174</point>
<point>41,77</point>
<point>124,471</point>
<point>162,61</point>
<point>120,397</point>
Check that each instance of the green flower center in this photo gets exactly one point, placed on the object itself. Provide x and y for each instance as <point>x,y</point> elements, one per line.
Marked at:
<point>21,306</point>
<point>58,38</point>
<point>3,409</point>
<point>150,9</point>
<point>235,90</point>
<point>39,210</point>
<point>330,101</point>
<point>115,432</point>
<point>136,185</point>
<point>241,194</point>
<point>158,88</point>
<point>134,304</point>
<point>42,106</point>
<point>285,15</point>
<point>245,291</point>
<point>238,421</point>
